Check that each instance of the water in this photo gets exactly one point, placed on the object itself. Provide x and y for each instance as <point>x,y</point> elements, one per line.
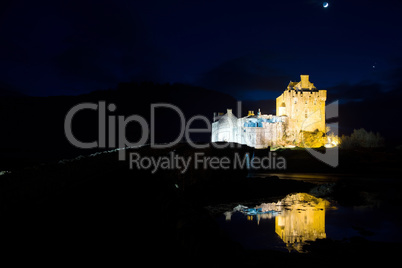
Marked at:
<point>287,224</point>
<point>308,177</point>
<point>319,178</point>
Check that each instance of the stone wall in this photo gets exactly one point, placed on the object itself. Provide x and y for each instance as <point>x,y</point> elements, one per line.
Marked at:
<point>305,108</point>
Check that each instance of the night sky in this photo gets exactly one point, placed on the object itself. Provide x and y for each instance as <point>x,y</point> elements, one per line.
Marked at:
<point>249,49</point>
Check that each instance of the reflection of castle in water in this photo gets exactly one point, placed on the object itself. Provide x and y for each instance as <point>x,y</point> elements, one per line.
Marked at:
<point>298,218</point>
<point>302,219</point>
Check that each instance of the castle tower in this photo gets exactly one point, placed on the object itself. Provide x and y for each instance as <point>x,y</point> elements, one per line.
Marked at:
<point>305,83</point>
<point>304,105</point>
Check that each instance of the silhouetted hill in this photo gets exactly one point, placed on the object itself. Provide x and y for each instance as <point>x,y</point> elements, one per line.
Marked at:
<point>8,91</point>
<point>33,127</point>
<point>266,106</point>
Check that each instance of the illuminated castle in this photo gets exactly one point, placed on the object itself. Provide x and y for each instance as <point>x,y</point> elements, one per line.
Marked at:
<point>304,105</point>
<point>301,107</point>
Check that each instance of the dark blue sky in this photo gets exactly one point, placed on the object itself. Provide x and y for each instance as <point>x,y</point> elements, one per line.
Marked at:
<point>250,49</point>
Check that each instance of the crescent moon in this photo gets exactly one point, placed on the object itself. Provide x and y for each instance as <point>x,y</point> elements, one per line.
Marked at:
<point>325,4</point>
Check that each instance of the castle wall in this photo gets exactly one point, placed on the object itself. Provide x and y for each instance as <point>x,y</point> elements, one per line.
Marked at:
<point>269,134</point>
<point>305,109</point>
<point>225,129</point>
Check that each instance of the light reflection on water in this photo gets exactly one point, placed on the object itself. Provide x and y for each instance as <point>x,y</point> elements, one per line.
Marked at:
<point>302,219</point>
<point>292,221</point>
<point>298,218</point>
<point>307,177</point>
